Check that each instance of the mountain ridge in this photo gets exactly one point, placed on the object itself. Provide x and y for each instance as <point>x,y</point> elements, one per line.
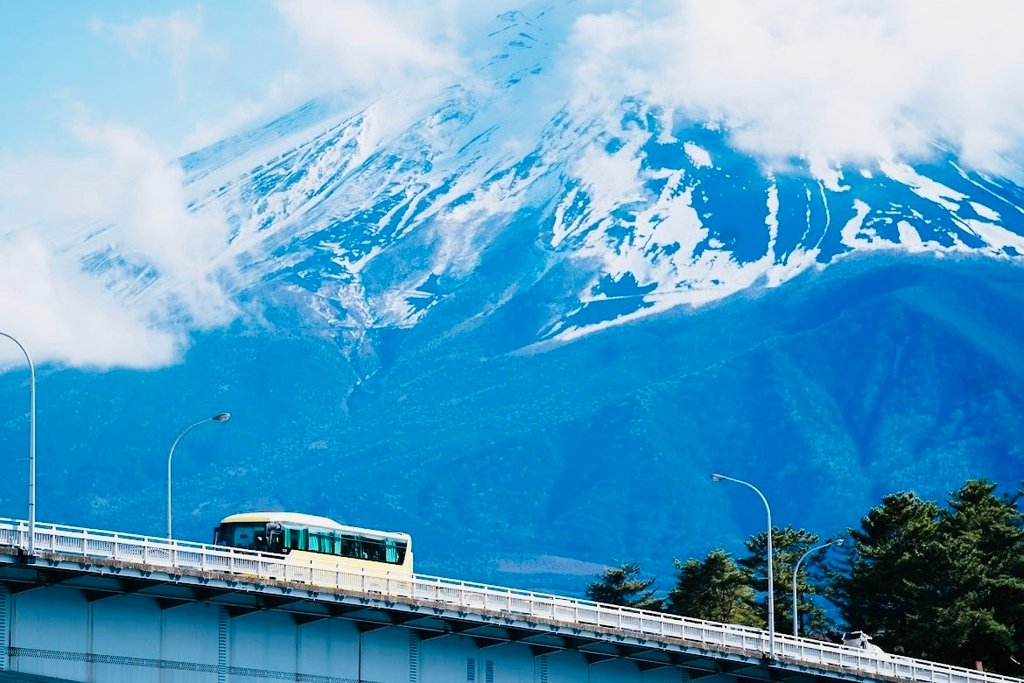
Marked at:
<point>535,336</point>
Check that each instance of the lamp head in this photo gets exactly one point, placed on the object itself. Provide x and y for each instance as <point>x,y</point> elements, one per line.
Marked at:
<point>839,541</point>
<point>221,417</point>
<point>716,477</point>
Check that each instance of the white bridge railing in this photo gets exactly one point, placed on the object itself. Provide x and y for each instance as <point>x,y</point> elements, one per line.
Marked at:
<point>148,552</point>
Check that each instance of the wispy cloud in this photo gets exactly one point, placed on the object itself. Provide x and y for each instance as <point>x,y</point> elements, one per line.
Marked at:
<point>62,315</point>
<point>102,262</point>
<point>377,46</point>
<point>361,51</point>
<point>828,82</point>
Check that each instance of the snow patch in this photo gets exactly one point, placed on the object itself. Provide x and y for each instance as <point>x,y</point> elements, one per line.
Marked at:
<point>850,234</point>
<point>910,238</point>
<point>997,237</point>
<point>772,219</point>
<point>985,212</point>
<point>699,156</point>
<point>795,263</point>
<point>925,188</point>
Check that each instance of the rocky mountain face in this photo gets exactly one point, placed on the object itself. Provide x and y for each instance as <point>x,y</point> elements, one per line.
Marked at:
<point>526,332</point>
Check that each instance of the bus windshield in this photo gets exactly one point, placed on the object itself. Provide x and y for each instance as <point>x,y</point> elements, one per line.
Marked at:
<point>249,536</point>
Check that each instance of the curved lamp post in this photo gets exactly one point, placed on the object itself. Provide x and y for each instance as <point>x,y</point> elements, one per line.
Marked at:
<point>31,447</point>
<point>796,572</point>
<point>219,417</point>
<point>771,577</point>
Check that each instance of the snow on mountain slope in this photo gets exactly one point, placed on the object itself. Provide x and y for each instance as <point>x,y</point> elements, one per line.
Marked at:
<point>651,213</point>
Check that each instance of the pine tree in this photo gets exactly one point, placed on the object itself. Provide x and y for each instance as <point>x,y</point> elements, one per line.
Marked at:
<point>893,581</point>
<point>621,586</point>
<point>715,589</point>
<point>788,545</point>
<point>941,584</point>
<point>982,613</point>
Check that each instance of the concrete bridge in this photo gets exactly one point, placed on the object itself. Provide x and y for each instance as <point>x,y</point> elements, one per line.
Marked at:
<point>93,605</point>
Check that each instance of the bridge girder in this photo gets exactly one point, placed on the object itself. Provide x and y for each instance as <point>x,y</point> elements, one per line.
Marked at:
<point>239,596</point>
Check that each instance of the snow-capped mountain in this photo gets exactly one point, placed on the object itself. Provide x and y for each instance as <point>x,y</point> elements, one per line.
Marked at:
<point>500,310</point>
<point>379,213</point>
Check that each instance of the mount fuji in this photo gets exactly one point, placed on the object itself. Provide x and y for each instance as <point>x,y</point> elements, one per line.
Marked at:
<point>526,330</point>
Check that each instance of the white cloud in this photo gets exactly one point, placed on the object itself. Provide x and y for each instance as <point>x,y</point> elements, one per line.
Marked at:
<point>374,46</point>
<point>147,203</point>
<point>62,315</point>
<point>102,262</point>
<point>825,81</point>
<point>360,51</point>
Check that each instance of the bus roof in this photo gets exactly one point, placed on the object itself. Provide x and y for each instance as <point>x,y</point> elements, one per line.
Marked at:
<point>308,520</point>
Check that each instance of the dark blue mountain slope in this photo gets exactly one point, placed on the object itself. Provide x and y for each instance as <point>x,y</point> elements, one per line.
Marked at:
<point>530,466</point>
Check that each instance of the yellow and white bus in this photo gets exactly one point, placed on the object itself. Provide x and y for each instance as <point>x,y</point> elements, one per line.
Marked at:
<point>312,540</point>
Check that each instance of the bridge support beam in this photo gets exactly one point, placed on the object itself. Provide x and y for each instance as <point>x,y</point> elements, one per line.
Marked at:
<point>59,633</point>
<point>85,623</point>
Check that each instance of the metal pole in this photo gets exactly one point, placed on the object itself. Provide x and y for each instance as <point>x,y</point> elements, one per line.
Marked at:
<point>771,576</point>
<point>796,572</point>
<point>220,417</point>
<point>31,447</point>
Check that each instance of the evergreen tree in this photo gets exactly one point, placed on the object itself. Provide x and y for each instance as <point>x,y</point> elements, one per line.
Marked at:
<point>944,585</point>
<point>622,586</point>
<point>788,546</point>
<point>715,589</point>
<point>893,582</point>
<point>982,613</point>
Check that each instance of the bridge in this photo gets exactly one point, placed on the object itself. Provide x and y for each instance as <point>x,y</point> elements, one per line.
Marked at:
<point>92,605</point>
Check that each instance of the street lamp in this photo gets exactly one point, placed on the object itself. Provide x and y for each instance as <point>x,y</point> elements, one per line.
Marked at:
<point>219,417</point>
<point>31,447</point>
<point>771,577</point>
<point>796,572</point>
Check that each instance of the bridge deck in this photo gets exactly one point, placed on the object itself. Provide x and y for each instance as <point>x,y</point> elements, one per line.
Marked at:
<point>174,572</point>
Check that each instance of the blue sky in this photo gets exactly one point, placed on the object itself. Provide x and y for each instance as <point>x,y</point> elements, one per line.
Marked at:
<point>126,61</point>
<point>801,77</point>
<point>186,74</point>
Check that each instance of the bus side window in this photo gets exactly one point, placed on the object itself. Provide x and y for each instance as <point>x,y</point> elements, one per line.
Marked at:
<point>293,538</point>
<point>373,550</point>
<point>321,541</point>
<point>336,546</point>
<point>349,546</point>
<point>391,552</point>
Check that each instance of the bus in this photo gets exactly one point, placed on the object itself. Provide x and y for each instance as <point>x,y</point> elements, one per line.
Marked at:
<point>310,540</point>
